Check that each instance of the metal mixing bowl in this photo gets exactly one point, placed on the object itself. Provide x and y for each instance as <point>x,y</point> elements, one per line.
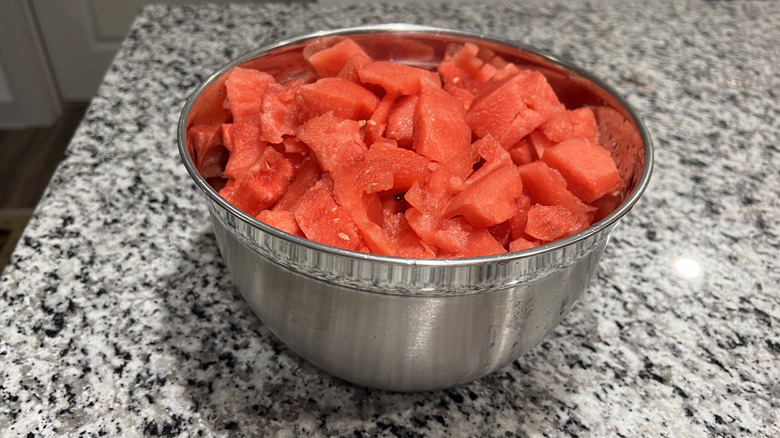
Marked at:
<point>414,324</point>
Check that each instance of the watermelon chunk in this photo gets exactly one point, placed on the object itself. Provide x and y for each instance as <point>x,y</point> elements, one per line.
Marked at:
<point>400,121</point>
<point>262,185</point>
<point>245,89</point>
<point>324,221</point>
<point>405,166</point>
<point>457,238</point>
<point>353,66</point>
<point>518,222</point>
<point>355,188</point>
<point>375,126</point>
<point>441,133</point>
<point>307,174</point>
<point>539,143</point>
<point>246,148</point>
<point>521,244</point>
<point>489,201</point>
<point>546,186</point>
<point>398,79</point>
<point>509,109</point>
<point>281,219</point>
<point>463,68</point>
<point>521,152</point>
<point>279,111</point>
<point>583,124</point>
<point>404,238</point>
<point>587,167</point>
<point>494,155</point>
<point>329,55</point>
<point>553,222</point>
<point>210,155</point>
<point>342,97</point>
<point>336,142</point>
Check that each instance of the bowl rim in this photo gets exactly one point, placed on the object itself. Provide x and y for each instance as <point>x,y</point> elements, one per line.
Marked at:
<point>402,28</point>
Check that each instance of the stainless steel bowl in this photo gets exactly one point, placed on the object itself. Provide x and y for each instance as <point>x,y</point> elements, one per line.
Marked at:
<point>414,324</point>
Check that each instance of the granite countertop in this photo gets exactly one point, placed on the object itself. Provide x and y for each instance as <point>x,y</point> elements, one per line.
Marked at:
<point>119,317</point>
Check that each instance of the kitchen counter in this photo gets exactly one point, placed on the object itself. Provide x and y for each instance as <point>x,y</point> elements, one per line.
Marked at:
<point>119,317</point>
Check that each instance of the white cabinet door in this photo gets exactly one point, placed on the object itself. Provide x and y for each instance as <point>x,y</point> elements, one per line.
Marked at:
<point>28,96</point>
<point>81,38</point>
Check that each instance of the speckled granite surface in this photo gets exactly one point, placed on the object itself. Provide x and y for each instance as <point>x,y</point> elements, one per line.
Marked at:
<point>119,318</point>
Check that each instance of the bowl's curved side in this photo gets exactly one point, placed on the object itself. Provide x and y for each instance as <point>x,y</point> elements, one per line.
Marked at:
<point>402,342</point>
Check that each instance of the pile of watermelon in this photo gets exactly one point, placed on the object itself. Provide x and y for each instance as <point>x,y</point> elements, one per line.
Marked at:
<point>476,158</point>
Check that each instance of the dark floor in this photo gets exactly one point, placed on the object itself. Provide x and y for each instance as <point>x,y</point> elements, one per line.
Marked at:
<point>28,158</point>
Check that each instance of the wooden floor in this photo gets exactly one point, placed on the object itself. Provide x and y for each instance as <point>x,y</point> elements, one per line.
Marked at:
<point>28,158</point>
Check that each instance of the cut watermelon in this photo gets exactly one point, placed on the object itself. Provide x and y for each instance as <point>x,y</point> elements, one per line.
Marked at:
<point>342,97</point>
<point>553,222</point>
<point>398,79</point>
<point>352,67</point>
<point>307,174</point>
<point>477,159</point>
<point>587,167</point>
<point>583,124</point>
<point>440,130</point>
<point>400,121</point>
<point>336,142</point>
<point>210,155</point>
<point>279,111</point>
<point>245,88</point>
<point>246,149</point>
<point>405,166</point>
<point>324,221</point>
<point>489,201</point>
<point>281,219</point>
<point>262,185</point>
<point>545,185</point>
<point>329,55</point>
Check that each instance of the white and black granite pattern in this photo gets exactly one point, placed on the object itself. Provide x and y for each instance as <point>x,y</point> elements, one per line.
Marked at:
<point>119,317</point>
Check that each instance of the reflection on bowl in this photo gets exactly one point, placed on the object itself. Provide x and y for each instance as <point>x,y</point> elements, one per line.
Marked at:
<point>414,324</point>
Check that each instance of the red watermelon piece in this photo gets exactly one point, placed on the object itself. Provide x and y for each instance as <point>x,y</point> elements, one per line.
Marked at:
<point>342,97</point>
<point>405,166</point>
<point>521,152</point>
<point>587,167</point>
<point>440,130</point>
<point>400,121</point>
<point>521,244</point>
<point>405,239</point>
<point>262,185</point>
<point>353,66</point>
<point>245,89</point>
<point>335,141</point>
<point>583,124</point>
<point>279,116</point>
<point>307,174</point>
<point>329,55</point>
<point>398,79</point>
<point>545,185</point>
<point>210,155</point>
<point>518,222</point>
<point>489,201</point>
<point>553,222</point>
<point>281,219</point>
<point>324,221</point>
<point>510,108</point>
<point>246,148</point>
